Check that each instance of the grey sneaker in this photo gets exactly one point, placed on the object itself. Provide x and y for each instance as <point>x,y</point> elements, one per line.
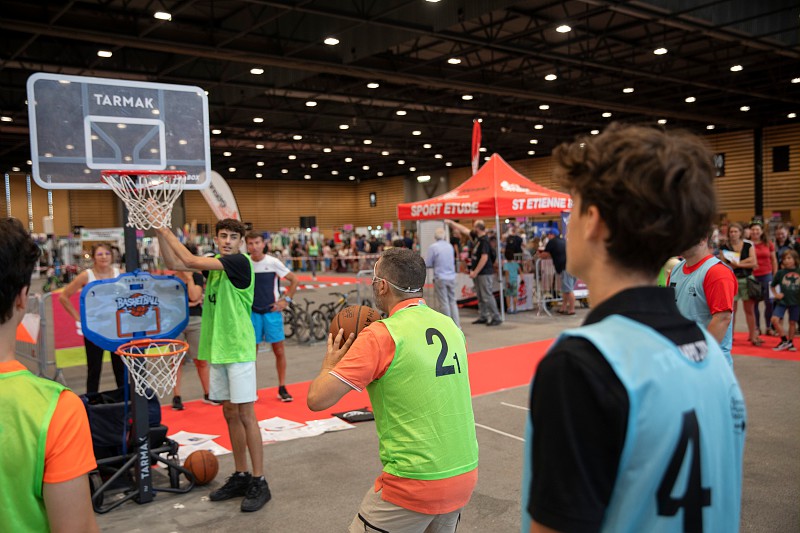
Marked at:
<point>236,485</point>
<point>257,495</point>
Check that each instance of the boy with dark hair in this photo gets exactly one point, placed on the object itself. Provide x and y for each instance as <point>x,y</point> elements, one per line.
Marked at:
<point>44,432</point>
<point>226,341</point>
<point>636,419</point>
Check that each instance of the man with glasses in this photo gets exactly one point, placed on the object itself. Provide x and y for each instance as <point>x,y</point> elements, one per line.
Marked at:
<point>414,367</point>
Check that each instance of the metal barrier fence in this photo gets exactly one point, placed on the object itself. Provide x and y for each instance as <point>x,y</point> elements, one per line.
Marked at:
<point>41,354</point>
<point>548,285</point>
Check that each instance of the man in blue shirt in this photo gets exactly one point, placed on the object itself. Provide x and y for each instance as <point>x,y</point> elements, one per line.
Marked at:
<point>442,260</point>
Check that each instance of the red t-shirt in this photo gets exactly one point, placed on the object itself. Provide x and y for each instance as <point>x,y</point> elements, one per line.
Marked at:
<point>720,285</point>
<point>764,258</point>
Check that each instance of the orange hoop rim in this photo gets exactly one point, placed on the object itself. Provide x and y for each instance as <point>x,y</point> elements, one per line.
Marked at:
<point>144,172</point>
<point>182,347</point>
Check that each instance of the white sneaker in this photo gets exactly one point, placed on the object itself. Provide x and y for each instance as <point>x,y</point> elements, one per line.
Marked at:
<point>783,346</point>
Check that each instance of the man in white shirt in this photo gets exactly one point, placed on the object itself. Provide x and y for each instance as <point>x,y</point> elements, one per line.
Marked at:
<point>443,261</point>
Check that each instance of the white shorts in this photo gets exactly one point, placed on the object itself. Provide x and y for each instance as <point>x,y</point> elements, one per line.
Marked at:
<point>235,382</point>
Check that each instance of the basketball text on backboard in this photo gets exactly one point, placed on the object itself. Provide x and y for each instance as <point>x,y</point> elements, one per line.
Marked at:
<point>80,126</point>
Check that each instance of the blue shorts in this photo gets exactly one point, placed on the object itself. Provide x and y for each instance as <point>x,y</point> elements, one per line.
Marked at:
<point>268,326</point>
<point>780,309</point>
<point>567,282</point>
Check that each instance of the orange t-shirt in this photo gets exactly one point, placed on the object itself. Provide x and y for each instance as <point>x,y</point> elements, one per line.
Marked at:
<point>367,360</point>
<point>68,450</point>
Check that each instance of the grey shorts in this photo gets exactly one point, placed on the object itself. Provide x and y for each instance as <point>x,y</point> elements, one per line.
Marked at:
<point>234,382</point>
<point>377,515</point>
<point>567,282</point>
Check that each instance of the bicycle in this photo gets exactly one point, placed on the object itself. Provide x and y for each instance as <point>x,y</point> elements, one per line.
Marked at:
<point>329,310</point>
<point>306,325</point>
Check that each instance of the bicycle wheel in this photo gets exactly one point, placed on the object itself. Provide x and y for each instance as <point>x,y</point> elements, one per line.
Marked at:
<point>301,326</point>
<point>288,322</point>
<point>319,325</point>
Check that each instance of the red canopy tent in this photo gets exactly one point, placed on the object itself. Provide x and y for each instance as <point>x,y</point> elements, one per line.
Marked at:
<point>495,190</point>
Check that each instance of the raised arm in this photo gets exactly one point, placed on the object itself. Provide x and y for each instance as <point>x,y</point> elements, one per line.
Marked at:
<point>177,257</point>
<point>457,226</point>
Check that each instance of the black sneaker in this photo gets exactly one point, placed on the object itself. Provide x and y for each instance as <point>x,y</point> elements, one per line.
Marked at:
<point>177,404</point>
<point>494,323</point>
<point>257,495</point>
<point>235,485</point>
<point>480,321</point>
<point>283,394</point>
<point>209,401</point>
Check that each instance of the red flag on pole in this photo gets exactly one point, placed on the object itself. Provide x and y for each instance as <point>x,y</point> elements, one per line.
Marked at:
<point>476,145</point>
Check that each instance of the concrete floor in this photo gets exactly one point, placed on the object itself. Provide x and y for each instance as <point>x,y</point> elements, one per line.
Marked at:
<point>318,483</point>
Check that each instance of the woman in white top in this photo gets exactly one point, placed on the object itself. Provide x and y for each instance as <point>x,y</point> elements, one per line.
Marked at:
<point>101,269</point>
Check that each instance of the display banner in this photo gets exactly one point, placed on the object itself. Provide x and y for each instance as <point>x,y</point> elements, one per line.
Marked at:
<point>220,198</point>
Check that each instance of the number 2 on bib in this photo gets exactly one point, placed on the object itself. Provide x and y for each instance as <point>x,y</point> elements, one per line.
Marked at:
<point>441,368</point>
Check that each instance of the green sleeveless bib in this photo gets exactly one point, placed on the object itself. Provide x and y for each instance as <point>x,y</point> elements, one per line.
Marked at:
<point>226,333</point>
<point>422,404</point>
<point>27,404</point>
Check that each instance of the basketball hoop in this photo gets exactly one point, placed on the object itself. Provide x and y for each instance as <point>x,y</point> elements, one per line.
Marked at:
<point>148,194</point>
<point>154,364</point>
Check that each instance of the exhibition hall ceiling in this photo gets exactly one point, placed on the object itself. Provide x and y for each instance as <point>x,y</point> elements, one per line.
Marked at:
<point>334,89</point>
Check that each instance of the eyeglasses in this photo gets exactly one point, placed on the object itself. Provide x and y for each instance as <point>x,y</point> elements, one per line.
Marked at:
<point>408,290</point>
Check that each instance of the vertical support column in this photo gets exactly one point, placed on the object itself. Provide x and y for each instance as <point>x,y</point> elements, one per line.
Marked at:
<point>758,171</point>
<point>30,201</point>
<point>8,195</point>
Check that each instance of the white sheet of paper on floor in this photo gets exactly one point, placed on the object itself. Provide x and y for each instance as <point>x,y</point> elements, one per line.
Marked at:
<point>277,423</point>
<point>290,434</point>
<point>213,447</point>
<point>186,438</point>
<point>330,424</point>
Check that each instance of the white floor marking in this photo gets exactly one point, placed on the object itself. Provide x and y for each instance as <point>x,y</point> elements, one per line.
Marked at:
<point>500,432</point>
<point>515,406</point>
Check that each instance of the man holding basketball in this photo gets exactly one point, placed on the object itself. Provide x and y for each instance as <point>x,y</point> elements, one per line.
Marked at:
<point>226,341</point>
<point>44,431</point>
<point>636,419</point>
<point>414,367</point>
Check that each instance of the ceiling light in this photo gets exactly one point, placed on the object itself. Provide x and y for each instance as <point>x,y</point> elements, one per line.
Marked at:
<point>531,152</point>
<point>710,127</point>
<point>384,153</point>
<point>122,126</point>
<point>379,174</point>
<point>401,112</point>
<point>348,159</point>
<point>482,149</point>
<point>660,51</point>
<point>401,162</point>
<point>423,179</point>
<point>454,61</point>
<point>544,107</point>
<point>297,137</point>
<point>327,150</point>
<point>466,97</point>
<point>373,85</point>
<point>260,163</point>
<point>216,132</point>
<point>448,164</point>
<point>231,169</point>
<point>104,53</point>
<point>6,119</point>
<point>538,126</point>
<point>314,165</point>
<point>334,172</point>
<point>258,175</point>
<point>534,141</point>
<point>627,90</point>
<point>416,132</point>
<point>595,132</point>
<point>365,167</point>
<point>662,121</point>
<point>257,71</point>
<point>259,146</point>
<point>367,141</point>
<point>14,169</point>
<point>331,41</point>
<point>28,162</point>
<point>351,178</point>
<point>412,169</point>
<point>433,1</point>
<point>690,100</point>
<point>292,157</point>
<point>344,127</point>
<point>311,103</point>
<point>563,29</point>
<point>606,115</point>
<point>486,158</point>
<point>551,77</point>
<point>737,68</point>
<point>439,156</point>
<point>226,154</point>
<point>162,15</point>
<point>791,115</point>
<point>744,108</point>
<point>427,146</point>
<point>258,120</point>
<point>307,176</point>
<point>795,80</point>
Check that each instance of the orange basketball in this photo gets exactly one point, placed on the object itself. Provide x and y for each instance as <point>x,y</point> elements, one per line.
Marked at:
<point>203,465</point>
<point>353,319</point>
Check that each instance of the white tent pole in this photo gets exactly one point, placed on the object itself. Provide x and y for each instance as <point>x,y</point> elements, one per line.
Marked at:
<point>500,267</point>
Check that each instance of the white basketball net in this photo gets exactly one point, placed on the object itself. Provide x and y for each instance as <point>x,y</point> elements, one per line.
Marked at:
<point>154,374</point>
<point>148,197</point>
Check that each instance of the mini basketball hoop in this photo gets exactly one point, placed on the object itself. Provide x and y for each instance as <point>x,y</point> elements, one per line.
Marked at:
<point>154,364</point>
<point>148,194</point>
